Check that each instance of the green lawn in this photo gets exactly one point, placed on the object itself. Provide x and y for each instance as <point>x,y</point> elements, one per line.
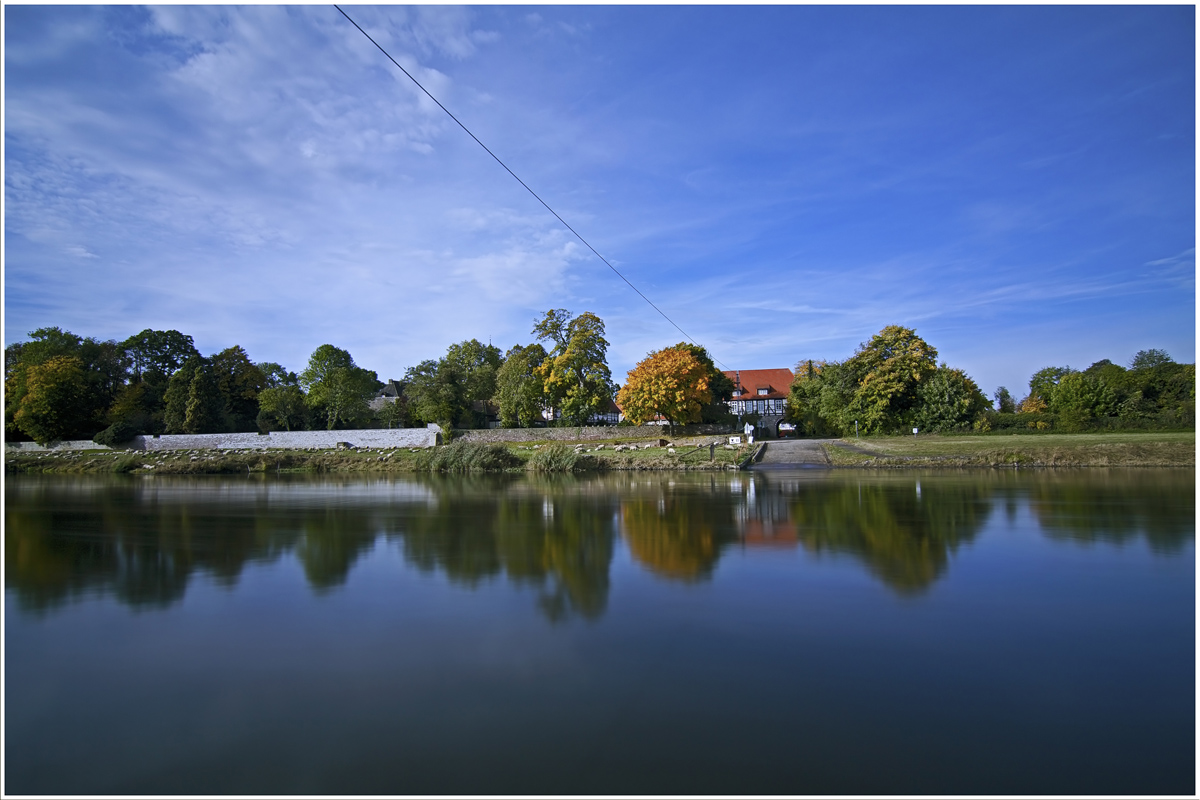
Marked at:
<point>1168,448</point>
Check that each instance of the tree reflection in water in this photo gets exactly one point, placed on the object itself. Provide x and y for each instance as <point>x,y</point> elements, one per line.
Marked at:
<point>553,534</point>
<point>903,534</point>
<point>142,540</point>
<point>673,536</point>
<point>1118,506</point>
<point>903,530</point>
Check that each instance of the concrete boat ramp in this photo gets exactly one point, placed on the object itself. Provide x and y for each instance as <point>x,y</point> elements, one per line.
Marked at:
<point>788,453</point>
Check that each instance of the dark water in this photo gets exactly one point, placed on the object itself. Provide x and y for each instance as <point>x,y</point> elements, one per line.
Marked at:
<point>780,632</point>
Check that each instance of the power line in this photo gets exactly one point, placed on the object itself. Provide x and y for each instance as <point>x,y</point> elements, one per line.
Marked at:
<point>518,180</point>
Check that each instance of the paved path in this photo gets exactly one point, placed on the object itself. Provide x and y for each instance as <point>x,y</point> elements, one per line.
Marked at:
<point>797,452</point>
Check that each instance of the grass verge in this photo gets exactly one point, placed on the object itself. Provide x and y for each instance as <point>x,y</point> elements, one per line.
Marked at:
<point>458,456</point>
<point>1134,449</point>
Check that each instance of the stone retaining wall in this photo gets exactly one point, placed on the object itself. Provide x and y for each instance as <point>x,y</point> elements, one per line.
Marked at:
<point>586,433</point>
<point>289,440</point>
<point>394,437</point>
<point>34,447</point>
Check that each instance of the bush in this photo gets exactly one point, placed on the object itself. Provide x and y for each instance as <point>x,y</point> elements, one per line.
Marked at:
<point>1020,423</point>
<point>559,458</point>
<point>116,435</point>
<point>128,463</point>
<point>464,456</point>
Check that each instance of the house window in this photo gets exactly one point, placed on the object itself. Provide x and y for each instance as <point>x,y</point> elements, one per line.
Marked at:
<point>764,391</point>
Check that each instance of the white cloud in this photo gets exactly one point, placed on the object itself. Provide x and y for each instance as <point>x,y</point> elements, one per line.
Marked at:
<point>79,251</point>
<point>264,176</point>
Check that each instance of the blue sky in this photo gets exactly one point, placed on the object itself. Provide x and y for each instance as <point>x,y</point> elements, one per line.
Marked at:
<point>1016,183</point>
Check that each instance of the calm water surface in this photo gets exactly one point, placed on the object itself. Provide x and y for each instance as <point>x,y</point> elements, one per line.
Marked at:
<point>773,632</point>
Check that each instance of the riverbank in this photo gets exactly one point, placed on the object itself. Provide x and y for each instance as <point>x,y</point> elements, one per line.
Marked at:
<point>1164,449</point>
<point>650,454</point>
<point>1134,449</point>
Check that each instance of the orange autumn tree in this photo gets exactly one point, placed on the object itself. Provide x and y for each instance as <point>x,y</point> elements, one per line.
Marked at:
<point>671,383</point>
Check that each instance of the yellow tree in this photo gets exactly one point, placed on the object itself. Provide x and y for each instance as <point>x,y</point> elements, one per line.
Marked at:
<point>575,374</point>
<point>671,383</point>
<point>55,395</point>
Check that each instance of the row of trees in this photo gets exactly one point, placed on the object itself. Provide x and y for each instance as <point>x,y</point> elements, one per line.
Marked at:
<point>894,383</point>
<point>570,382</point>
<point>62,386</point>
<point>59,386</point>
<point>1153,391</point>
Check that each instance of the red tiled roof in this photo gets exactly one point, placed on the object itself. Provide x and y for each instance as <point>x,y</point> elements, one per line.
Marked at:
<point>779,381</point>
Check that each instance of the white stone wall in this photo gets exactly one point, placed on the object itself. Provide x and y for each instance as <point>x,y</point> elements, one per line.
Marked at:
<point>290,440</point>
<point>592,432</point>
<point>34,447</point>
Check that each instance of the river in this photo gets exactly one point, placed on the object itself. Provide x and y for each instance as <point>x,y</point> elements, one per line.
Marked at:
<point>784,631</point>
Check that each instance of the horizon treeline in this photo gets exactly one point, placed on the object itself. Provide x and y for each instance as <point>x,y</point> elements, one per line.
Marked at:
<point>894,383</point>
<point>60,386</point>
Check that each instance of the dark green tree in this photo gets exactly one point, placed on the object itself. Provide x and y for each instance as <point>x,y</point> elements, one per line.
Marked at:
<point>277,375</point>
<point>1043,383</point>
<point>476,365</point>
<point>239,381</point>
<point>1080,397</point>
<point>520,390</point>
<point>1004,401</point>
<point>282,408</point>
<point>1147,359</point>
<point>433,394</point>
<point>948,400</point>
<point>204,411</point>
<point>454,390</point>
<point>393,413</point>
<point>803,407</point>
<point>176,396</point>
<point>337,388</point>
<point>887,372</point>
<point>103,366</point>
<point>576,375</point>
<point>157,353</point>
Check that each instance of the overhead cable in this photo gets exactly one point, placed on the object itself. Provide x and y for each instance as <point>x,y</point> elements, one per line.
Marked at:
<point>518,179</point>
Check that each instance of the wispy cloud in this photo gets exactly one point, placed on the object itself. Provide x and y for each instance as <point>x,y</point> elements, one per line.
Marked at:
<point>263,176</point>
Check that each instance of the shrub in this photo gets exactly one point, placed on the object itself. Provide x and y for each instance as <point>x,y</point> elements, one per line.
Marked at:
<point>464,456</point>
<point>128,463</point>
<point>1019,423</point>
<point>559,458</point>
<point>116,435</point>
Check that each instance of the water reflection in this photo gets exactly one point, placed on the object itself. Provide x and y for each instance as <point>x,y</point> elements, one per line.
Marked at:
<point>1118,507</point>
<point>673,535</point>
<point>555,535</point>
<point>141,540</point>
<point>903,532</point>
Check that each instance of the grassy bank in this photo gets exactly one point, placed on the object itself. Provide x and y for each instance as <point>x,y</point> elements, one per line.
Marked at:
<point>1168,449</point>
<point>455,457</point>
<point>1135,449</point>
